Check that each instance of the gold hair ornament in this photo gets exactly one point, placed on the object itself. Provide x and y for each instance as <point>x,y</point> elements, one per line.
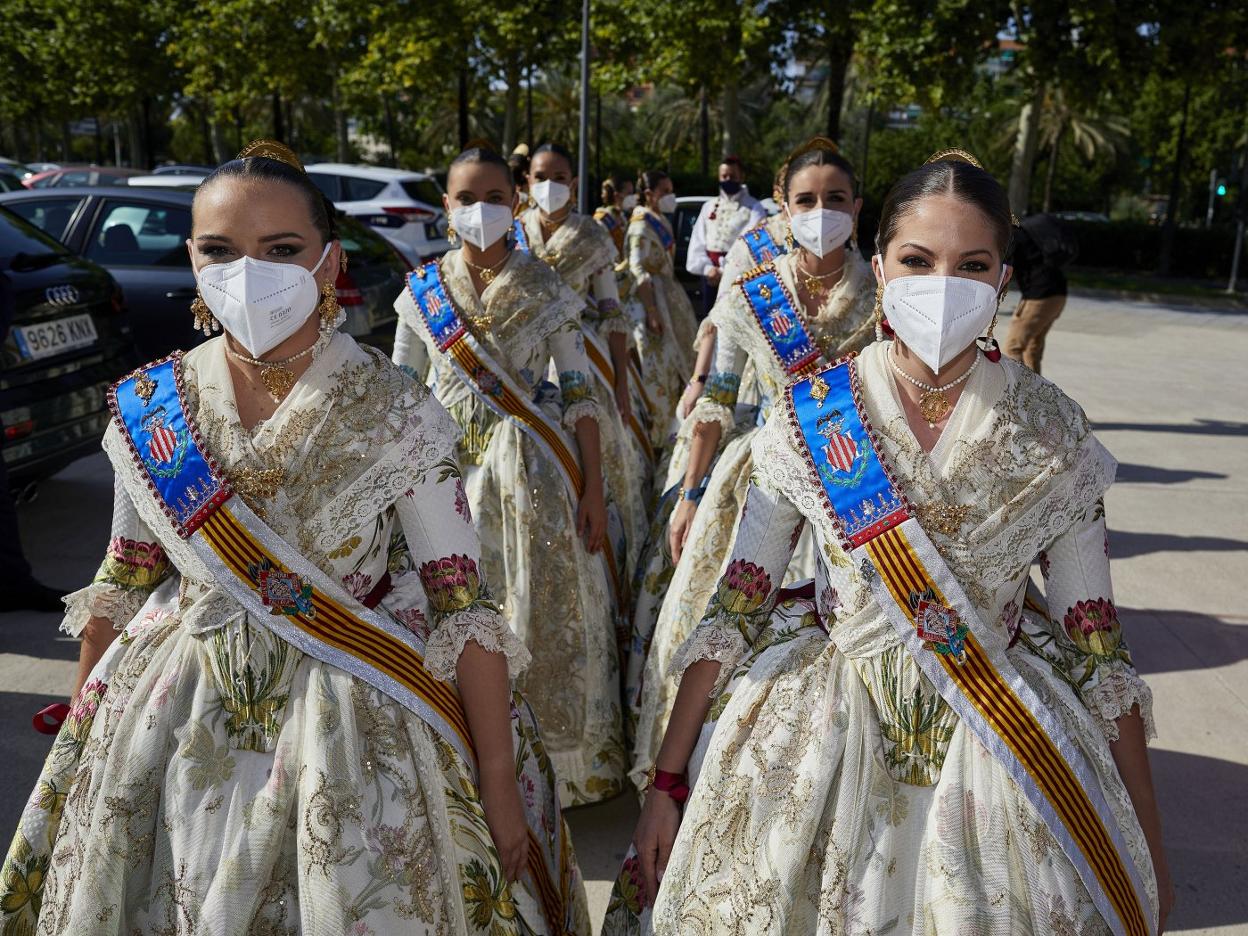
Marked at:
<point>271,149</point>
<point>961,155</point>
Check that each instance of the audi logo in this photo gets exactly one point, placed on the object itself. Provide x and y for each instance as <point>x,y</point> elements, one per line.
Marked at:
<point>64,295</point>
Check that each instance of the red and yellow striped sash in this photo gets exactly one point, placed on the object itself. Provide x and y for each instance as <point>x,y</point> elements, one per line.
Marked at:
<point>903,572</point>
<point>607,372</point>
<point>334,625</point>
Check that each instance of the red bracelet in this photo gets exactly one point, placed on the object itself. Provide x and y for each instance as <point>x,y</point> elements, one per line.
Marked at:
<point>674,785</point>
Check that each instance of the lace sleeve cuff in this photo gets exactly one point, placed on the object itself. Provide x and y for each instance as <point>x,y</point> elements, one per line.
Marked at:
<point>724,645</point>
<point>1114,695</point>
<point>103,600</point>
<point>707,410</point>
<point>486,628</point>
<point>578,411</point>
<point>614,324</point>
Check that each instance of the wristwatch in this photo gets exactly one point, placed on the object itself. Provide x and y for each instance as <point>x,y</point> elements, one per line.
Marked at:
<point>691,494</point>
<point>674,785</point>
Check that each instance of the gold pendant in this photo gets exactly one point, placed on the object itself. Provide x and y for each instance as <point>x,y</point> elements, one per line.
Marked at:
<point>934,406</point>
<point>277,379</point>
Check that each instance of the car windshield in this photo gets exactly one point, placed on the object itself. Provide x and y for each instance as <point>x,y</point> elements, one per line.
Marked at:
<point>22,245</point>
<point>423,190</point>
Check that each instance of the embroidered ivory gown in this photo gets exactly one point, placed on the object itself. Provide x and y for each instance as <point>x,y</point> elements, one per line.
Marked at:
<point>555,594</point>
<point>213,779</point>
<point>667,359</point>
<point>842,324</point>
<point>838,793</point>
<point>583,254</point>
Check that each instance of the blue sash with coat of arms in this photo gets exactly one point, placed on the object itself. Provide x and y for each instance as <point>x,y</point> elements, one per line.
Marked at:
<point>761,245</point>
<point>938,625</point>
<point>776,315</point>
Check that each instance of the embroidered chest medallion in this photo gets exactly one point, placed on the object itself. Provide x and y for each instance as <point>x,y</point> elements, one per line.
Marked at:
<point>283,592</point>
<point>166,447</point>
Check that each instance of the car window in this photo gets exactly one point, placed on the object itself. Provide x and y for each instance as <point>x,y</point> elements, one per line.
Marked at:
<point>71,178</point>
<point>328,184</point>
<point>50,215</point>
<point>137,234</point>
<point>9,183</point>
<point>109,178</point>
<point>424,190</point>
<point>355,189</point>
<point>17,235</point>
<point>361,244</point>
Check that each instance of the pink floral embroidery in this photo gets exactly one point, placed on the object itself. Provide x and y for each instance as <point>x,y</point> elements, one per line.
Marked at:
<point>829,601</point>
<point>1010,618</point>
<point>452,583</point>
<point>135,553</point>
<point>743,588</point>
<point>414,620</point>
<point>461,502</point>
<point>358,584</point>
<point>1094,628</point>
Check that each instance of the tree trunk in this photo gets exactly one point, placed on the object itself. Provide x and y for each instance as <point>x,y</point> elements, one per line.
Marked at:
<point>41,153</point>
<point>840,48</point>
<point>732,122</point>
<point>1051,172</point>
<point>99,143</point>
<point>220,145</point>
<point>206,137</point>
<point>1172,204</point>
<point>67,145</point>
<point>279,126</point>
<point>511,105</point>
<point>342,145</point>
<point>1024,157</point>
<point>135,127</point>
<point>390,133</point>
<point>463,105</point>
<point>704,128</point>
<point>528,108</point>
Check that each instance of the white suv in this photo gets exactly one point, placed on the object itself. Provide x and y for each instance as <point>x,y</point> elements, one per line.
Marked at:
<point>404,207</point>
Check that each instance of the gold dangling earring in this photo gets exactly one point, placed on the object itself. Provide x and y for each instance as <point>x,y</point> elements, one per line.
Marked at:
<point>330,309</point>
<point>452,235</point>
<point>992,350</point>
<point>204,320</point>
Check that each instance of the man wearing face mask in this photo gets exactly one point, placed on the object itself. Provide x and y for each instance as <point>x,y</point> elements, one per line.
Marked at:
<point>720,222</point>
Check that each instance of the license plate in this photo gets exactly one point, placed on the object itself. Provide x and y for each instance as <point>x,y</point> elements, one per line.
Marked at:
<point>56,337</point>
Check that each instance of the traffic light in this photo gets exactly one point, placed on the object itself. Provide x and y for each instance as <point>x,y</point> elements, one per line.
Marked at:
<point>1221,188</point>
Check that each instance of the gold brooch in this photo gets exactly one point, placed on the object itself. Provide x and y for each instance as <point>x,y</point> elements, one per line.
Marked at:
<point>257,483</point>
<point>819,390</point>
<point>144,387</point>
<point>765,291</point>
<point>946,519</point>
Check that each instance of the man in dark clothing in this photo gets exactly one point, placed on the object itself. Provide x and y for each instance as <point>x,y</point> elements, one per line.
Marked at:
<point>20,591</point>
<point>1042,246</point>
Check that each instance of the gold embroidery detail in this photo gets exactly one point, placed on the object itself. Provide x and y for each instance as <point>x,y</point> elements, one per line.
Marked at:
<point>946,519</point>
<point>144,387</point>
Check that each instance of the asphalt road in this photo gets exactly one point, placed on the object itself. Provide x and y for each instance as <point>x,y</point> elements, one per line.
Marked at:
<point>1165,385</point>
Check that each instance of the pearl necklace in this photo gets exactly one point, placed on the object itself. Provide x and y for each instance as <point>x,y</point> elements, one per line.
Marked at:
<point>933,404</point>
<point>276,376</point>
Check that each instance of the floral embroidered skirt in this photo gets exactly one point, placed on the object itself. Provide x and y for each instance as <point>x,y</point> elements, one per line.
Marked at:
<point>799,823</point>
<point>222,782</point>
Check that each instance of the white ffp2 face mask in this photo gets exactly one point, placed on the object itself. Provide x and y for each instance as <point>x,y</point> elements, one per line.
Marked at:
<point>939,317</point>
<point>821,230</point>
<point>259,302</point>
<point>481,223</point>
<point>550,195</point>
<point>667,204</point>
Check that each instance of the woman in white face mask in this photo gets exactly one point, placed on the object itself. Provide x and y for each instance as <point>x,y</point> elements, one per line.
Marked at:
<point>484,325</point>
<point>295,580</point>
<point>789,315</point>
<point>665,324</point>
<point>915,735</point>
<point>581,251</point>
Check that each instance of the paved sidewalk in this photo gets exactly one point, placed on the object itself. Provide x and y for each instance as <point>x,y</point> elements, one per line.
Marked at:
<point>1167,388</point>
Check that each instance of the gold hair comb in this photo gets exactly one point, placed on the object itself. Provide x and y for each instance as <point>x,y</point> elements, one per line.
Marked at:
<point>271,149</point>
<point>814,143</point>
<point>953,155</point>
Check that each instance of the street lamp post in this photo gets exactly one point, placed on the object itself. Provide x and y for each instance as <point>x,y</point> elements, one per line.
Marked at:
<point>582,161</point>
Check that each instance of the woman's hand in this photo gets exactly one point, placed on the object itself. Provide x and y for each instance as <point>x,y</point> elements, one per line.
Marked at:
<point>654,323</point>
<point>591,515</point>
<point>504,814</point>
<point>623,398</point>
<point>655,835</point>
<point>678,529</point>
<point>689,399</point>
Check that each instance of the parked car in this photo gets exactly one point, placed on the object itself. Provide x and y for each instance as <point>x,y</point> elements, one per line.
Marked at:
<point>404,207</point>
<point>186,181</point>
<point>687,209</point>
<point>66,176</point>
<point>139,235</point>
<point>69,339</point>
<point>182,169</point>
<point>9,182</point>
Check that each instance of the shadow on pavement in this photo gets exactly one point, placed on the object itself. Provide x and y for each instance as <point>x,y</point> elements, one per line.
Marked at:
<point>21,763</point>
<point>1199,427</point>
<point>1204,808</point>
<point>36,635</point>
<point>1211,642</point>
<point>1151,474</point>
<point>1124,544</point>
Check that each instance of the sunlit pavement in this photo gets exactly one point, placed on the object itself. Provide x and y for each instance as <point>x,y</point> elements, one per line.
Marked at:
<point>1166,386</point>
